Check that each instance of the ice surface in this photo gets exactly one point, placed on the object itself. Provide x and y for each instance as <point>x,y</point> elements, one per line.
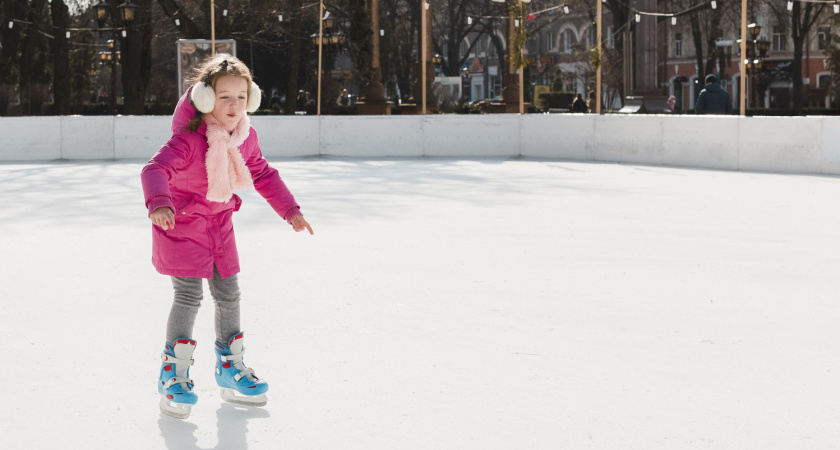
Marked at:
<point>441,304</point>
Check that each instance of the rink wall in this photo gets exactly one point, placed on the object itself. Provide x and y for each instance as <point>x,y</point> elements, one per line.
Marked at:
<point>774,144</point>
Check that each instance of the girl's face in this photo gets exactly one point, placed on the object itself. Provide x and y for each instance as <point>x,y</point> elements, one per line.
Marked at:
<point>231,101</point>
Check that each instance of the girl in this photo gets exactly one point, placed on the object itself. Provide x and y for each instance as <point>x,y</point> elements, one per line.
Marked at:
<point>189,188</point>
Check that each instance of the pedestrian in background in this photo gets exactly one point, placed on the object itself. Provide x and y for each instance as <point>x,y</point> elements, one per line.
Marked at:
<point>579,106</point>
<point>713,99</point>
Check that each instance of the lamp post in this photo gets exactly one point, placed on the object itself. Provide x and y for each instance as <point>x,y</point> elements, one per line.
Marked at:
<point>319,39</point>
<point>101,12</point>
<point>755,51</point>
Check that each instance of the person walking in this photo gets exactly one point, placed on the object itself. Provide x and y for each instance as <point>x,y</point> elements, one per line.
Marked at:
<point>713,99</point>
<point>189,187</point>
<point>579,105</point>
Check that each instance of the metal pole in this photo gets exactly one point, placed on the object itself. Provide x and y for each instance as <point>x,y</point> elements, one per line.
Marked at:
<point>598,71</point>
<point>114,75</point>
<point>743,80</point>
<point>320,53</point>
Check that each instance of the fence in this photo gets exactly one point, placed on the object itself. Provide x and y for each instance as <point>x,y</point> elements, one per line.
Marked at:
<point>774,144</point>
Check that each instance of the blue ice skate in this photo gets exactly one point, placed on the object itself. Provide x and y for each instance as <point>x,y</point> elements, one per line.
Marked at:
<point>175,386</point>
<point>239,384</point>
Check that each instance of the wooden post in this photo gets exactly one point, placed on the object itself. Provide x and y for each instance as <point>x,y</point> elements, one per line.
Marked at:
<point>743,81</point>
<point>521,20</point>
<point>600,58</point>
<point>320,52</point>
<point>423,9</point>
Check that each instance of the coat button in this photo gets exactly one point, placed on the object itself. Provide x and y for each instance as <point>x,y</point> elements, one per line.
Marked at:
<point>183,212</point>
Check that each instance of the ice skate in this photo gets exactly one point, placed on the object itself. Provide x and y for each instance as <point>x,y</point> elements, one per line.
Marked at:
<point>239,384</point>
<point>175,386</point>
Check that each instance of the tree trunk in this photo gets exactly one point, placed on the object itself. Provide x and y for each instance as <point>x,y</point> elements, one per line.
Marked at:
<point>61,58</point>
<point>31,61</point>
<point>137,59</point>
<point>294,58</point>
<point>9,55</point>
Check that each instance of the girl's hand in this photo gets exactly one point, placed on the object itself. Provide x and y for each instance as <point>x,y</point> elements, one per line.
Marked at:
<point>299,224</point>
<point>163,217</point>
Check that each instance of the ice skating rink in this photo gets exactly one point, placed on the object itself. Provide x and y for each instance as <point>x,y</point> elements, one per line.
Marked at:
<point>441,304</point>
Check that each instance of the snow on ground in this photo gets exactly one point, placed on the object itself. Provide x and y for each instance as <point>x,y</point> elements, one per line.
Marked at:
<point>441,304</point>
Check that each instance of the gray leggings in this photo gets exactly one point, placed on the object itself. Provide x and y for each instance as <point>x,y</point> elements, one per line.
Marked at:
<point>188,295</point>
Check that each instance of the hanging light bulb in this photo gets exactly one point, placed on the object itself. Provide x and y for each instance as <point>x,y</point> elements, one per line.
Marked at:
<point>67,35</point>
<point>11,24</point>
<point>714,4</point>
<point>469,20</point>
<point>177,23</point>
<point>224,12</point>
<point>326,15</point>
<point>427,5</point>
<point>836,8</point>
<point>123,33</point>
<point>381,32</point>
<point>565,9</point>
<point>516,22</point>
<point>790,5</point>
<point>280,16</point>
<point>638,18</point>
<point>673,20</point>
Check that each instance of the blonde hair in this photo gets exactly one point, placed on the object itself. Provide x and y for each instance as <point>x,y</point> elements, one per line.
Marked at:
<point>211,70</point>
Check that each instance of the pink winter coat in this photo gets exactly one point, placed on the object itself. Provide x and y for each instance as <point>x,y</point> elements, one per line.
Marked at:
<point>176,177</point>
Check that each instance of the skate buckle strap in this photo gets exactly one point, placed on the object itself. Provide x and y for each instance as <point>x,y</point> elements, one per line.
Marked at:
<point>175,380</point>
<point>235,357</point>
<point>248,371</point>
<point>171,359</point>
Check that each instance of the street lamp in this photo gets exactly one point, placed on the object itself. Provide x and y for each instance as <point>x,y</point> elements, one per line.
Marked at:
<point>127,14</point>
<point>756,51</point>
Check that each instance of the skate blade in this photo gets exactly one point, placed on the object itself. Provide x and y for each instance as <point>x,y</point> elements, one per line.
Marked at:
<point>173,409</point>
<point>232,396</point>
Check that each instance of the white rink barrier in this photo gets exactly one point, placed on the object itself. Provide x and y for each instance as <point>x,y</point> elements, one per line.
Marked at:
<point>772,144</point>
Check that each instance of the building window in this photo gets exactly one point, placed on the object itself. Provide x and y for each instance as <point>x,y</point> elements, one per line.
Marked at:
<point>549,42</point>
<point>479,47</point>
<point>531,46</point>
<point>566,41</point>
<point>677,45</point>
<point>491,50</point>
<point>824,37</point>
<point>610,37</point>
<point>462,50</point>
<point>823,82</point>
<point>445,49</point>
<point>779,39</point>
<point>495,86</point>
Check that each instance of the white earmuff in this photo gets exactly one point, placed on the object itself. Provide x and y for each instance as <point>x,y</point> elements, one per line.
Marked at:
<point>204,97</point>
<point>254,97</point>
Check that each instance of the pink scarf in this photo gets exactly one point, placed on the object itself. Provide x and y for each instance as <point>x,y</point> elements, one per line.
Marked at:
<point>226,170</point>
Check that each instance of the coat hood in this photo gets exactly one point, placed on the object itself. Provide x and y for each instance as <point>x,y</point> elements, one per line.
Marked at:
<point>184,112</point>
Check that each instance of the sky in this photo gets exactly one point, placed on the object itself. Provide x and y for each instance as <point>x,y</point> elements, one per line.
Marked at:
<point>441,304</point>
